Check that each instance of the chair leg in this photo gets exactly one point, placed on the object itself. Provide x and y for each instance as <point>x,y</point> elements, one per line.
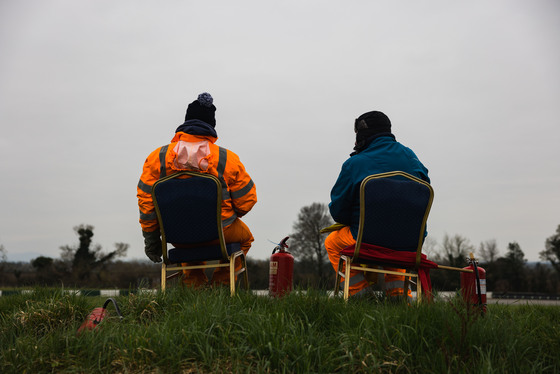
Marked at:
<point>337,279</point>
<point>405,288</point>
<point>347,279</point>
<point>418,290</point>
<point>232,275</point>
<point>245,272</point>
<point>163,276</point>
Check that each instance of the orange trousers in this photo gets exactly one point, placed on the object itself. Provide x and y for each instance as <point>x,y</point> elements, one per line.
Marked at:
<point>360,280</point>
<point>237,232</point>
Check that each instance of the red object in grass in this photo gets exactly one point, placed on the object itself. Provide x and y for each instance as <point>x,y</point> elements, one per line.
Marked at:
<point>97,315</point>
<point>93,319</point>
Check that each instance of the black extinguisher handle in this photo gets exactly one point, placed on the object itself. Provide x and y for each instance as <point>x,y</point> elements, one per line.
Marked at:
<point>281,245</point>
<point>284,241</point>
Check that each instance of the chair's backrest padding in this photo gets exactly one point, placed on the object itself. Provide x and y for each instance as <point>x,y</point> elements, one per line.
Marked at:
<point>394,212</point>
<point>188,208</point>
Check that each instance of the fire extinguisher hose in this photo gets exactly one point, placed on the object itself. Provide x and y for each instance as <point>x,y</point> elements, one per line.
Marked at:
<point>478,290</point>
<point>117,309</point>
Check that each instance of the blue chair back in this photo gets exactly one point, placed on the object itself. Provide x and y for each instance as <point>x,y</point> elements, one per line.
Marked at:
<point>189,208</point>
<point>395,208</point>
<point>188,205</point>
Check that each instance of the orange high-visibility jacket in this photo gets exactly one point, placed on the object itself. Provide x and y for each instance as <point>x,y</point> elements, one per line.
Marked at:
<point>239,191</point>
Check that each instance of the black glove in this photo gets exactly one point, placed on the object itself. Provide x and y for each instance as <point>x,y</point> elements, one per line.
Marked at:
<point>152,245</point>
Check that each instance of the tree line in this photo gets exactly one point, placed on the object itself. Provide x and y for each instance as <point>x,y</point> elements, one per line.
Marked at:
<point>87,265</point>
<point>82,265</point>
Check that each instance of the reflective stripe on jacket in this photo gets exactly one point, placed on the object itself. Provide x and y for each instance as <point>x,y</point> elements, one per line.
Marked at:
<point>239,193</point>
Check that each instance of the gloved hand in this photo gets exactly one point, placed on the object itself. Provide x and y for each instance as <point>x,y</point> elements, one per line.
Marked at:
<point>152,245</point>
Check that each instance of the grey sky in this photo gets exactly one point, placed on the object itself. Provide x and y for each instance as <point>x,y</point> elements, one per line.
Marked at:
<point>89,88</point>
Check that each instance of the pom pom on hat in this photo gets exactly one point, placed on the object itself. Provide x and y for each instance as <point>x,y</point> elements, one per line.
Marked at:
<point>205,99</point>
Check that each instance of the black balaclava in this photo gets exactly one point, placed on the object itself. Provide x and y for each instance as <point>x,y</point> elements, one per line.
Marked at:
<point>368,126</point>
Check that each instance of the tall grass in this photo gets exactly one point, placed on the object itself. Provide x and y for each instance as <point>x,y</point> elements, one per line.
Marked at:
<point>185,331</point>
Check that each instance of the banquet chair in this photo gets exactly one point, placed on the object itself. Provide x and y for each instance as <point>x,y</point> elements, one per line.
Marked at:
<point>188,207</point>
<point>394,209</point>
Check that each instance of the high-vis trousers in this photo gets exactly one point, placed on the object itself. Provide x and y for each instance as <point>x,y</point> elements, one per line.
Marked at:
<point>393,285</point>
<point>234,233</point>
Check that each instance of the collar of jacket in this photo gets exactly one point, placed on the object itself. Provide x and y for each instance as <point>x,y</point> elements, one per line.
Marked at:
<point>369,140</point>
<point>181,136</point>
<point>197,127</point>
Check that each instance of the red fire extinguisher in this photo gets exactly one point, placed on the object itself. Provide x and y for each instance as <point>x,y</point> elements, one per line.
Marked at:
<point>473,285</point>
<point>280,280</point>
<point>97,315</point>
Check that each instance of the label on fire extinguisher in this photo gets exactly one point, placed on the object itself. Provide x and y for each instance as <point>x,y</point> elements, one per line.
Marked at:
<point>274,268</point>
<point>483,286</point>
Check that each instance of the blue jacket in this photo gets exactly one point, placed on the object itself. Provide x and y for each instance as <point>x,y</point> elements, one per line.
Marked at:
<point>382,155</point>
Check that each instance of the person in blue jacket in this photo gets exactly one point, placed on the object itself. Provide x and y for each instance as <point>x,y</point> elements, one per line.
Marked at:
<point>376,151</point>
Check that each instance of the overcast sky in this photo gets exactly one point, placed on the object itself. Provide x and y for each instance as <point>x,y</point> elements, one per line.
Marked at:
<point>89,88</point>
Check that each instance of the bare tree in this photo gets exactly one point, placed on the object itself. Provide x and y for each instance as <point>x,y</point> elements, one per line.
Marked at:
<point>307,243</point>
<point>455,250</point>
<point>488,251</point>
<point>430,247</point>
<point>452,252</point>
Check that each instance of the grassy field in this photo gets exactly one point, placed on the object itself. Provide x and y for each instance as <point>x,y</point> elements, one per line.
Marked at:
<point>184,331</point>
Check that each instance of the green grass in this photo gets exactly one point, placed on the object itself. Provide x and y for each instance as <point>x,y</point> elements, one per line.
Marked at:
<point>184,331</point>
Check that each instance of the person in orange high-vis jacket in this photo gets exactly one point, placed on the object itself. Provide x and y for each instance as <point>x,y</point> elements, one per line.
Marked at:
<point>376,151</point>
<point>193,148</point>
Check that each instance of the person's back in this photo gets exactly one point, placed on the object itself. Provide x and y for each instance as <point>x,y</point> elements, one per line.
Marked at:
<point>376,151</point>
<point>193,148</point>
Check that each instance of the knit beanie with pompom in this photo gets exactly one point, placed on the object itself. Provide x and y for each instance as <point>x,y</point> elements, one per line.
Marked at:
<point>202,109</point>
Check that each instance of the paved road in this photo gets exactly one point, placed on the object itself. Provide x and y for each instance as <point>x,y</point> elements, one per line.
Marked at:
<point>524,302</point>
<point>516,301</point>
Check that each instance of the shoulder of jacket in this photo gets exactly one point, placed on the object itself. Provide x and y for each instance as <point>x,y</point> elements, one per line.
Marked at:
<point>231,155</point>
<point>357,158</point>
<point>158,150</point>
